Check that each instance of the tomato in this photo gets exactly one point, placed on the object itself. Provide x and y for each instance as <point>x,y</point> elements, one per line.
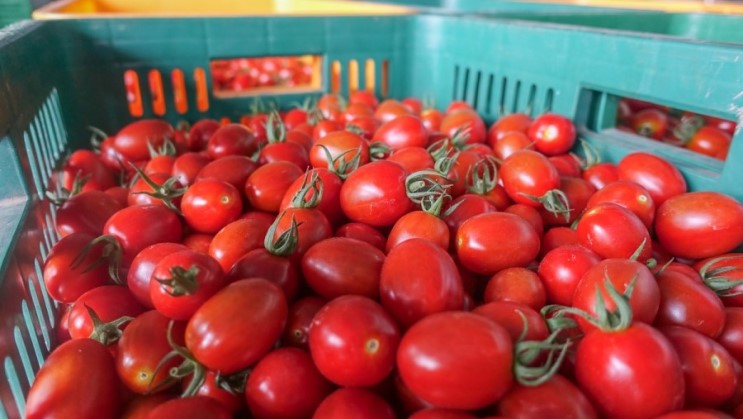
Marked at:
<point>517,285</point>
<point>421,225</point>
<point>210,204</point>
<point>213,387</point>
<point>196,407</point>
<point>661,178</point>
<point>313,227</point>
<point>556,237</point>
<point>142,193</point>
<point>200,133</point>
<point>488,243</point>
<point>650,123</point>
<point>285,151</point>
<point>601,174</point>
<point>614,232</point>
<point>413,159</point>
<point>140,271</point>
<point>645,298</point>
<point>512,316</point>
<point>463,208</point>
<point>133,141</point>
<point>509,143</point>
<point>363,232</point>
<point>187,166</point>
<point>266,187</point>
<point>375,194</point>
<point>466,121</point>
<point>353,341</point>
<point>557,397</point>
<point>695,414</point>
<point>465,163</point>
<point>234,170</point>
<point>330,105</point>
<point>120,195</point>
<point>529,214</point>
<point>710,141</point>
<point>340,266</point>
<point>109,302</point>
<point>141,406</point>
<point>687,302</point>
<point>419,278</point>
<point>84,164</point>
<point>437,413</point>
<point>650,381</point>
<point>567,165</point>
<point>403,131</point>
<point>432,119</point>
<point>457,360</point>
<point>142,347</point>
<point>276,268</point>
<point>325,127</point>
<point>390,109</point>
<point>552,134</point>
<point>519,122</point>
<point>285,383</point>
<point>238,325</point>
<point>353,403</point>
<point>414,105</point>
<point>54,394</point>
<point>629,195</point>
<point>69,273</point>
<point>731,337</point>
<point>697,225</point>
<point>364,96</point>
<point>528,175</point>
<point>578,192</point>
<point>301,313</point>
<point>237,239</point>
<point>232,139</point>
<point>561,270</point>
<point>357,110</point>
<point>340,146</point>
<point>329,205</point>
<point>143,225</point>
<point>86,212</point>
<point>301,138</point>
<point>721,274</point>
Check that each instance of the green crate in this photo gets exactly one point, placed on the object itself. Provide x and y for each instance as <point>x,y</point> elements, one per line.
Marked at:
<point>49,96</point>
<point>13,11</point>
<point>490,6</point>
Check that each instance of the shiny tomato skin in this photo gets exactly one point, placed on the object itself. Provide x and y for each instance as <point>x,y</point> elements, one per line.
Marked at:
<point>142,346</point>
<point>363,232</point>
<point>652,123</point>
<point>457,360</point>
<point>353,341</point>
<point>527,174</point>
<point>517,285</point>
<point>462,209</point>
<point>645,299</point>
<point>109,302</point>
<point>323,128</point>
<point>286,151</point>
<point>519,122</point>
<point>213,389</point>
<point>731,337</point>
<point>390,109</point>
<point>510,143</point>
<point>337,143</point>
<point>188,165</point>
<point>421,225</point>
<point>629,195</point>
<point>414,105</point>
<point>418,279</point>
<point>432,119</point>
<point>353,403</point>
<point>159,164</point>
<point>710,141</point>
<point>650,381</point>
<point>687,302</point>
<point>285,383</point>
<point>375,194</point>
<point>330,201</point>
<point>237,239</point>
<point>558,397</point>
<point>661,178</point>
<point>232,139</point>
<point>556,237</point>
<point>198,242</point>
<point>364,96</point>
<point>339,266</point>
<point>139,192</point>
<point>140,272</point>
<point>613,231</point>
<point>238,325</point>
<point>54,395</point>
<point>267,185</point>
<point>301,312</point>
<point>195,407</point>
<point>234,170</point>
<point>86,212</point>
<point>313,228</point>
<point>403,131</point>
<point>697,225</point>
<point>709,374</point>
<point>509,315</point>
<point>552,134</point>
<point>85,163</point>
<point>260,263</point>
<point>466,121</point>
<point>143,225</point>
<point>601,174</point>
<point>567,165</point>
<point>413,159</point>
<point>562,268</point>
<point>200,133</point>
<point>131,141</point>
<point>489,242</point>
<point>66,281</point>
<point>529,214</point>
<point>141,406</point>
<point>438,413</point>
<point>210,204</point>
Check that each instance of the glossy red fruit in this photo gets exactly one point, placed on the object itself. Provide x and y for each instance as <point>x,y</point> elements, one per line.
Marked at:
<point>614,232</point>
<point>661,178</point>
<point>552,134</point>
<point>354,403</point>
<point>232,139</point>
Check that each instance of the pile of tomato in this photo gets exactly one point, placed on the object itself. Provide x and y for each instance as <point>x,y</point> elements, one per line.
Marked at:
<point>243,74</point>
<point>379,260</point>
<point>701,134</point>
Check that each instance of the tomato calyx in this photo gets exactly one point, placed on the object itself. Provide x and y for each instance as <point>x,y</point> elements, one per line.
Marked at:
<point>286,243</point>
<point>181,281</point>
<point>166,149</point>
<point>111,254</point>
<point>106,333</point>
<point>275,128</point>
<point>97,136</point>
<point>313,184</point>
<point>554,201</point>
<point>189,366</point>
<point>482,177</point>
<point>590,156</point>
<point>339,165</point>
<point>716,281</point>
<point>527,352</point>
<point>379,151</point>
<point>423,186</point>
<point>687,127</point>
<point>166,192</point>
<point>65,194</point>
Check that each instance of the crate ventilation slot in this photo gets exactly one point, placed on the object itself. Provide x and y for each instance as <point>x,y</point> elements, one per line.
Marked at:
<point>162,87</point>
<point>353,79</point>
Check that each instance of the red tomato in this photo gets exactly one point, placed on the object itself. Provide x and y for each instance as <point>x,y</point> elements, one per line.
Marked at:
<point>552,134</point>
<point>517,285</point>
<point>109,303</point>
<point>511,316</point>
<point>462,209</point>
<point>709,374</point>
<point>432,119</point>
<point>390,109</point>
<point>313,228</point>
<point>54,394</point>
<point>519,122</point>
<point>710,141</point>
<point>357,110</point>
<point>403,131</point>
<point>354,403</point>
<point>466,121</point>
<point>529,214</point>
<point>363,232</point>
<point>558,397</point>
<point>238,325</point>
<point>266,187</point>
<point>142,347</point>
<point>614,232</point>
<point>213,387</point>
<point>141,406</point>
<point>567,165</point>
<point>601,174</point>
<point>323,128</point>
<point>234,170</point>
<point>353,341</point>
<point>330,201</point>
<point>86,212</point>
<point>297,330</point>
<point>375,194</point>
<point>133,140</point>
<point>340,146</point>
<point>418,279</point>
<point>421,225</point>
<point>143,225</point>
<point>437,413</point>
<point>413,159</point>
<point>457,360</point>
<point>561,270</point>
<point>285,383</point>
<point>687,302</point>
<point>159,164</point>
<point>276,268</point>
<point>509,143</point>
<point>556,237</point>
<point>528,175</point>
<point>731,337</point>
<point>237,239</point>
<point>341,266</point>
<point>650,123</point>
<point>481,249</point>
<point>187,166</point>
<point>697,225</point>
<point>209,205</point>
<point>363,96</point>
<point>200,133</point>
<point>661,178</point>
<point>629,195</point>
<point>287,151</point>
<point>68,273</point>
<point>140,271</point>
<point>414,105</point>
<point>650,381</point>
<point>232,139</point>
<point>578,192</point>
<point>196,407</point>
<point>86,164</point>
<point>141,193</point>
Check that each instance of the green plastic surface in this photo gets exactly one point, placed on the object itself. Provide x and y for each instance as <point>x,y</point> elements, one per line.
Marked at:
<point>49,96</point>
<point>490,6</point>
<point>13,11</point>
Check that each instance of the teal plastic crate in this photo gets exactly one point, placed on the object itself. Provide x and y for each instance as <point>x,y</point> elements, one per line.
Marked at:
<point>13,11</point>
<point>49,96</point>
<point>491,6</point>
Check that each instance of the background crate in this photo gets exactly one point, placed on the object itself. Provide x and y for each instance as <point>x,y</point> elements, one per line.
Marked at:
<point>14,10</point>
<point>49,96</point>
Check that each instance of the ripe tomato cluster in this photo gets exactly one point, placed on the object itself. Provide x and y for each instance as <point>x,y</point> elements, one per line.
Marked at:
<point>241,74</point>
<point>381,260</point>
<point>702,134</point>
